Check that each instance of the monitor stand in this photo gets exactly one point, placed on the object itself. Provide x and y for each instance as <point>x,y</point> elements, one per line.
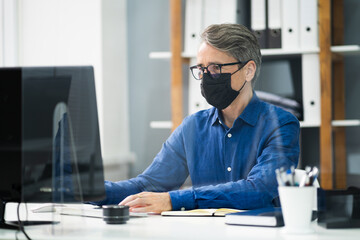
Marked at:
<point>14,225</point>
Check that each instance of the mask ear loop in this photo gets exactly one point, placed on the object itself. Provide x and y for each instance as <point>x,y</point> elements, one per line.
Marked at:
<point>239,70</point>
<point>242,86</point>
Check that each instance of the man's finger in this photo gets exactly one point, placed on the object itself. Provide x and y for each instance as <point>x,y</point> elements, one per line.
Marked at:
<point>139,209</point>
<point>148,202</point>
<point>138,202</point>
<point>129,199</point>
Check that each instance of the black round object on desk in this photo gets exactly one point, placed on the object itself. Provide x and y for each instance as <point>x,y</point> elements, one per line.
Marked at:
<point>115,214</point>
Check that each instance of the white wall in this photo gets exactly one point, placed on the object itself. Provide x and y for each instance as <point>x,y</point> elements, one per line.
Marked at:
<point>9,33</point>
<point>116,143</point>
<point>76,32</point>
<point>1,33</point>
<point>115,88</point>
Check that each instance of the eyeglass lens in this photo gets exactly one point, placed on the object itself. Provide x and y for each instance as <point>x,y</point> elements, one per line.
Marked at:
<point>213,69</point>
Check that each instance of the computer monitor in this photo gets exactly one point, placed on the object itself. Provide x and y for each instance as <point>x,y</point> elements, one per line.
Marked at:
<point>49,136</point>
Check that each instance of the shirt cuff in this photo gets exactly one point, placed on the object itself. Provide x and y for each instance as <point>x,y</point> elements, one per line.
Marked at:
<point>182,199</point>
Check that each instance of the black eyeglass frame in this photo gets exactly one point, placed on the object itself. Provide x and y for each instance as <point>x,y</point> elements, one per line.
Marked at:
<point>217,64</point>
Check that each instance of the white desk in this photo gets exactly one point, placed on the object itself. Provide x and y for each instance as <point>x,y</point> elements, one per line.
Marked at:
<point>158,227</point>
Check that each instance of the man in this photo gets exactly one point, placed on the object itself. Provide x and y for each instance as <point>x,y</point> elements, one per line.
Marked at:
<point>230,151</point>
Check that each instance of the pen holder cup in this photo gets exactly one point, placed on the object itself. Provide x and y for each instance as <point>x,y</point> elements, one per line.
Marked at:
<point>297,205</point>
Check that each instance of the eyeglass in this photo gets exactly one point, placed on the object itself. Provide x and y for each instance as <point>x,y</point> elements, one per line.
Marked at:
<point>214,70</point>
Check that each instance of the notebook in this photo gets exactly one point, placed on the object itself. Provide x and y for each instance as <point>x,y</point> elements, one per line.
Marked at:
<point>220,212</point>
<point>267,217</point>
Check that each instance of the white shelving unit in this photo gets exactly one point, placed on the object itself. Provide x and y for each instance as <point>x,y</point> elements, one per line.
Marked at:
<point>313,27</point>
<point>311,84</point>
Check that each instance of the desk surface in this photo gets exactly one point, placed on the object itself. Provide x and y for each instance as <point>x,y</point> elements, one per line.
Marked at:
<point>158,227</point>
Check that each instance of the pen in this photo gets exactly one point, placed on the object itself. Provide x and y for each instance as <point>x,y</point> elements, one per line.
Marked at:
<point>305,178</point>
<point>285,175</point>
<point>292,170</point>
<point>287,178</point>
<point>313,175</point>
<point>290,178</point>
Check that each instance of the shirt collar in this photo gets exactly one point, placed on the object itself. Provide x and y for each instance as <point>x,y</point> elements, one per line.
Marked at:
<point>250,115</point>
<point>251,112</point>
<point>216,117</point>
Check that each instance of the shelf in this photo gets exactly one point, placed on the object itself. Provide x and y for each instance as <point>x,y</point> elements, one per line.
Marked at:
<point>286,52</point>
<point>264,53</point>
<point>345,50</point>
<point>167,55</point>
<point>308,124</point>
<point>334,123</point>
<point>168,124</point>
<point>160,55</point>
<point>161,124</point>
<point>345,123</point>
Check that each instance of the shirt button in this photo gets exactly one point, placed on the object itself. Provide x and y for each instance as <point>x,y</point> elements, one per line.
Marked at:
<point>229,169</point>
<point>229,135</point>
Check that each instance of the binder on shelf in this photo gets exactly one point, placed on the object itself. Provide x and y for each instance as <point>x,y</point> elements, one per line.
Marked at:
<point>308,24</point>
<point>274,24</point>
<point>193,26</point>
<point>310,71</point>
<point>196,101</point>
<point>219,11</point>
<point>290,32</point>
<point>258,21</point>
<point>243,13</point>
<point>200,14</point>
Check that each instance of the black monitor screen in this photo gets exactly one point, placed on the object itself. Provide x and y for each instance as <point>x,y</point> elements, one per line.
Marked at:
<point>50,144</point>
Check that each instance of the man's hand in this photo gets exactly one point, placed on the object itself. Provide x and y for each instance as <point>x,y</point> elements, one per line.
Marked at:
<point>148,202</point>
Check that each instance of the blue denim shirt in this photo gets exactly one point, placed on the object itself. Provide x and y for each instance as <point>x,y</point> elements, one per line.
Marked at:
<point>229,167</point>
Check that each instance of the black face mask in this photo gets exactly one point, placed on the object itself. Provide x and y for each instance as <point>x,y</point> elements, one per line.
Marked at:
<point>218,92</point>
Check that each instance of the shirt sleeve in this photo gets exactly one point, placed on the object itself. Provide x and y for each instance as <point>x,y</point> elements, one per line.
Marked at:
<point>259,188</point>
<point>167,172</point>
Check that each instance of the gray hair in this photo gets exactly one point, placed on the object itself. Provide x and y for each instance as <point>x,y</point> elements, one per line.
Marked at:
<point>235,40</point>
